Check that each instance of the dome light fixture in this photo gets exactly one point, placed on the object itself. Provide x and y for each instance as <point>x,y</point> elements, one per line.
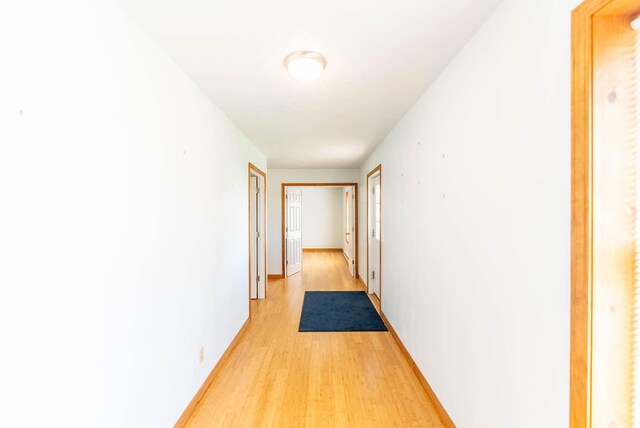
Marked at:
<point>305,65</point>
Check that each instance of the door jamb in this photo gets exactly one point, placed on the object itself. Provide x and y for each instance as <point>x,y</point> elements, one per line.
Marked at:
<point>375,170</point>
<point>282,215</point>
<point>254,170</point>
<point>582,200</point>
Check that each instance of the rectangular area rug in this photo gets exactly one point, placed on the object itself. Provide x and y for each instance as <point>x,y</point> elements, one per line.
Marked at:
<point>339,311</point>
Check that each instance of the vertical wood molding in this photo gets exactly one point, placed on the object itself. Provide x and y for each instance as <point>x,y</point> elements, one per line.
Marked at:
<point>255,170</point>
<point>581,219</point>
<point>583,21</point>
<point>356,256</point>
<point>373,171</point>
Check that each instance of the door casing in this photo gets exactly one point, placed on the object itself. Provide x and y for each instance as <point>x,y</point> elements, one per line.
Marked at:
<point>374,172</point>
<point>254,171</point>
<point>283,218</point>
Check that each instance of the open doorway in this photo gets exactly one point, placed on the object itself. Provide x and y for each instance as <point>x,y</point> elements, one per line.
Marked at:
<point>319,217</point>
<point>257,241</point>
<point>374,232</point>
<point>349,240</point>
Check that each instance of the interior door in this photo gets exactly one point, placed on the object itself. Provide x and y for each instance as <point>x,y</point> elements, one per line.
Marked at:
<point>293,230</point>
<point>374,232</point>
<point>351,230</point>
<point>253,238</point>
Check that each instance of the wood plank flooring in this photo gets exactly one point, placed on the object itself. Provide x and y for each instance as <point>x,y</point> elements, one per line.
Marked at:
<point>277,377</point>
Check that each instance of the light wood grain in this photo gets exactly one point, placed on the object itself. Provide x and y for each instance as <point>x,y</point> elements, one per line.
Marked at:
<point>319,250</point>
<point>254,170</point>
<point>188,412</point>
<point>377,169</point>
<point>601,230</point>
<point>278,377</point>
<point>581,219</point>
<point>444,416</point>
<point>362,283</point>
<point>282,215</point>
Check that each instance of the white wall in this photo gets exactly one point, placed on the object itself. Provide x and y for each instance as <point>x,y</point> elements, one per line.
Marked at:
<point>118,259</point>
<point>274,202</point>
<point>476,223</point>
<point>322,224</point>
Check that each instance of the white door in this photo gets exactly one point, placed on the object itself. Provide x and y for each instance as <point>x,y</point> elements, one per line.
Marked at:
<point>253,237</point>
<point>351,230</point>
<point>374,232</point>
<point>293,230</point>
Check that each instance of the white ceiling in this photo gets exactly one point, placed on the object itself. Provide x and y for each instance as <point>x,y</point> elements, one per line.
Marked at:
<point>381,56</point>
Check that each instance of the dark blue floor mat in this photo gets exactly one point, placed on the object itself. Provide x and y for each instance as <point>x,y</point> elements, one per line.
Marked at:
<point>339,311</point>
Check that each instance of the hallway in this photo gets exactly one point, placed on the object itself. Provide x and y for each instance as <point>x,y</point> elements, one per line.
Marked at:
<point>279,377</point>
<point>150,151</point>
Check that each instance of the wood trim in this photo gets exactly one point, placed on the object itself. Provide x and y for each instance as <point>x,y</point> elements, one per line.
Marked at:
<point>254,169</point>
<point>591,8</point>
<point>581,219</point>
<point>184,418</point>
<point>442,413</point>
<point>319,250</point>
<point>356,256</point>
<point>282,212</point>
<point>583,283</point>
<point>361,282</point>
<point>376,300</point>
<point>318,184</point>
<point>372,172</point>
<point>275,276</point>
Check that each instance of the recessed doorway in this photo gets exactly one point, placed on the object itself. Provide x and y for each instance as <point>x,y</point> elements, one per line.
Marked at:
<point>319,217</point>
<point>374,232</point>
<point>256,233</point>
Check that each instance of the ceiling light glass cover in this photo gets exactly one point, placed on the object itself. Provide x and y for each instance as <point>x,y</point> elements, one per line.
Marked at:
<point>305,65</point>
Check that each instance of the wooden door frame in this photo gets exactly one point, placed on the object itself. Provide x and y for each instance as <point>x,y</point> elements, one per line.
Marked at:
<point>282,215</point>
<point>582,200</point>
<point>251,171</point>
<point>375,170</point>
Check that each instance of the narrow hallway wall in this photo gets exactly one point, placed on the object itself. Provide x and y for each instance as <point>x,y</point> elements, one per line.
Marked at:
<point>123,223</point>
<point>476,223</point>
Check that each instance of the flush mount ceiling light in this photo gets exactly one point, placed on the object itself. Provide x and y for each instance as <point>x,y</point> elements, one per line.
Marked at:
<point>305,65</point>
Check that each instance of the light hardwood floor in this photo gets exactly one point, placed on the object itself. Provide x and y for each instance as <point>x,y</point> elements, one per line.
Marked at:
<point>277,377</point>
